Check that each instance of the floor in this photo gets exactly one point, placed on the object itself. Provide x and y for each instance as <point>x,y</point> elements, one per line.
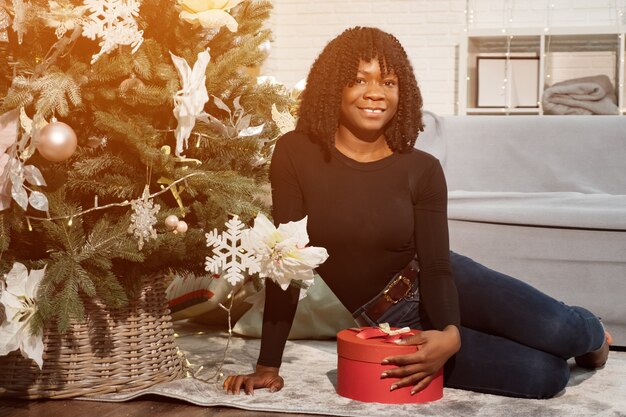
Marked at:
<point>148,406</point>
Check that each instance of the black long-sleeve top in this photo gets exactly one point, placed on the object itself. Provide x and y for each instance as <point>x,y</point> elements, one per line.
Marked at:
<point>372,217</point>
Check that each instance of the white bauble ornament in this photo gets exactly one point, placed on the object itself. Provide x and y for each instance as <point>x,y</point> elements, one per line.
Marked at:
<point>171,222</point>
<point>181,227</point>
<point>56,141</point>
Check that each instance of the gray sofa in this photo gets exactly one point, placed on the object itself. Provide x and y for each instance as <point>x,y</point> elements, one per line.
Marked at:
<point>541,198</point>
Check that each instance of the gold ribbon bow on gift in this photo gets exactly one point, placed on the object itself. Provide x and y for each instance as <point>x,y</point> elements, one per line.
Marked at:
<point>385,332</point>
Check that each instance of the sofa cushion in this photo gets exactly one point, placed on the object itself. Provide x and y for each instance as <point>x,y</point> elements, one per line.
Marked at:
<point>559,209</point>
<point>577,266</point>
<point>583,154</point>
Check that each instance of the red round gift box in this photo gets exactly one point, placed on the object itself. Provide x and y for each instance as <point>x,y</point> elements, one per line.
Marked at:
<point>359,368</point>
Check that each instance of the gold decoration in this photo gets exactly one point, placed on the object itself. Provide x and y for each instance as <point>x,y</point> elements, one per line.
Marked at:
<point>176,191</point>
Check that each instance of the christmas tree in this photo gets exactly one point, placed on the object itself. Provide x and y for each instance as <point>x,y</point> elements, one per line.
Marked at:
<point>172,136</point>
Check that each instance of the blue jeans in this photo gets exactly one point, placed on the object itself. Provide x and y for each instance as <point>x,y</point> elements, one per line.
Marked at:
<point>515,340</point>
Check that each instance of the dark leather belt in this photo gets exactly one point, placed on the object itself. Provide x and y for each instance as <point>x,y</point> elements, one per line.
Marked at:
<point>399,288</point>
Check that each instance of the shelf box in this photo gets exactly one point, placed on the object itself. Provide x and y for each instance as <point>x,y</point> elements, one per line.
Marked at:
<point>563,53</point>
<point>507,82</point>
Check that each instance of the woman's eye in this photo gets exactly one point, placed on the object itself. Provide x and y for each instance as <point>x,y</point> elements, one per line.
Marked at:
<point>390,83</point>
<point>359,81</point>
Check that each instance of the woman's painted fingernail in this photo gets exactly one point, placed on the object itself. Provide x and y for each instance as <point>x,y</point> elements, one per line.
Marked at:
<point>393,387</point>
<point>385,362</point>
<point>383,375</point>
<point>399,341</point>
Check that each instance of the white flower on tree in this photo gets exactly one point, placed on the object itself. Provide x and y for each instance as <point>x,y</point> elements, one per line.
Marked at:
<point>189,101</point>
<point>210,14</point>
<point>281,253</point>
<point>18,299</point>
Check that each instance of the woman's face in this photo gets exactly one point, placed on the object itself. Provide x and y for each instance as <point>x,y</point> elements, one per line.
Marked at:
<point>370,103</point>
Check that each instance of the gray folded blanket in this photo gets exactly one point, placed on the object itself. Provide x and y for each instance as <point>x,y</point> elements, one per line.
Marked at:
<point>586,95</point>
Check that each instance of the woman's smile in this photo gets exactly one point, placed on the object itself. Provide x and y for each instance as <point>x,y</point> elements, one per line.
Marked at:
<point>373,111</point>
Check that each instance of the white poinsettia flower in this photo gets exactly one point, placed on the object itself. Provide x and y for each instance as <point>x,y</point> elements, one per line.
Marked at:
<point>210,14</point>
<point>18,299</point>
<point>281,253</point>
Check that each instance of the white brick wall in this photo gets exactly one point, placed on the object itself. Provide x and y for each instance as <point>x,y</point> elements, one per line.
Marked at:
<point>564,66</point>
<point>430,30</point>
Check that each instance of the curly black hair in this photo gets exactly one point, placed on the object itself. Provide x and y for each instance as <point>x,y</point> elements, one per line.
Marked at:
<point>337,66</point>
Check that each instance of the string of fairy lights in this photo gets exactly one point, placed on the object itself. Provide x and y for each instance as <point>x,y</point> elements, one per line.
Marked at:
<point>618,16</point>
<point>548,40</point>
<point>507,23</point>
<point>70,217</point>
<point>619,6</point>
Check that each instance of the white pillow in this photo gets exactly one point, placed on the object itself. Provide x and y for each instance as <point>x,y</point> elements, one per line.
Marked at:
<point>190,295</point>
<point>320,315</point>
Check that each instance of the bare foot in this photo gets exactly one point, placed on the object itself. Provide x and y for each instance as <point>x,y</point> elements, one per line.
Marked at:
<point>597,358</point>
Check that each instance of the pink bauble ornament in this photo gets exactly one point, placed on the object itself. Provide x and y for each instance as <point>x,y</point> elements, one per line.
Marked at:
<point>57,141</point>
<point>171,222</point>
<point>181,227</point>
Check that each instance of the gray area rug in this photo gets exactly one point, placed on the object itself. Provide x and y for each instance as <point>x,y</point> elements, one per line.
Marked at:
<point>309,369</point>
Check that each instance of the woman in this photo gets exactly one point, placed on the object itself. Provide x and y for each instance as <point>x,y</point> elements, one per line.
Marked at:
<point>376,204</point>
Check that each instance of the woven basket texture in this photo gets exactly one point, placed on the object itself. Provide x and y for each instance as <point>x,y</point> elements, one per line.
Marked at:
<point>113,350</point>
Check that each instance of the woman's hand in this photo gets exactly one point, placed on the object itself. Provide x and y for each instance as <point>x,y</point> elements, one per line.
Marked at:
<point>434,348</point>
<point>262,377</point>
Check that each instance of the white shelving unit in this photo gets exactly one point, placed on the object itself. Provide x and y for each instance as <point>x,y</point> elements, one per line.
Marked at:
<point>539,43</point>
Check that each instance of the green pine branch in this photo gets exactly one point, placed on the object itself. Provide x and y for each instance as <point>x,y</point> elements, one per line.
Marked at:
<point>54,90</point>
<point>128,99</point>
<point>252,15</point>
<point>18,95</point>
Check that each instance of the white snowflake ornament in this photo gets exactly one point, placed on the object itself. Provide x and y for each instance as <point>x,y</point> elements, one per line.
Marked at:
<point>112,21</point>
<point>229,253</point>
<point>143,218</point>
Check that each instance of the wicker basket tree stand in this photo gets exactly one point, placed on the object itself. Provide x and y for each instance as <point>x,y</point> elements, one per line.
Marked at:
<point>119,350</point>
